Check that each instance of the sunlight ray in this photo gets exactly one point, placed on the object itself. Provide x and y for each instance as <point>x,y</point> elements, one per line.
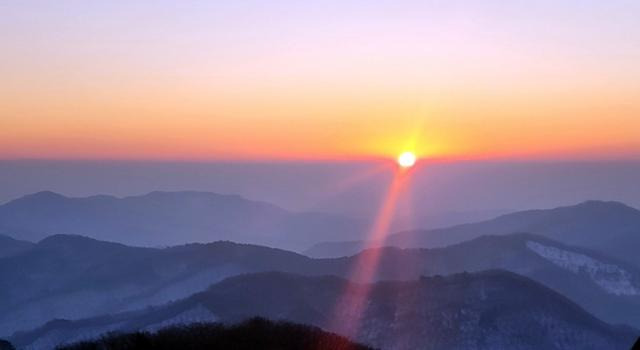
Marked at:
<point>349,309</point>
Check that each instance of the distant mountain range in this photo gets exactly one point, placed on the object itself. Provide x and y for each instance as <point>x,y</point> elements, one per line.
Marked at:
<point>77,277</point>
<point>485,310</point>
<point>609,227</point>
<point>170,218</point>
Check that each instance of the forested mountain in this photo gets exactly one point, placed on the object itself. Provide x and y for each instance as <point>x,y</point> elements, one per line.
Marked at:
<point>75,277</point>
<point>253,334</point>
<point>485,310</point>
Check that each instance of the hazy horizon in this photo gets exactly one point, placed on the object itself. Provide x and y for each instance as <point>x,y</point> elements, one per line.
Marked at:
<point>352,188</point>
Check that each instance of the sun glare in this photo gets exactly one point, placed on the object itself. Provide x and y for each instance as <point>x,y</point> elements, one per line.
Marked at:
<point>407,159</point>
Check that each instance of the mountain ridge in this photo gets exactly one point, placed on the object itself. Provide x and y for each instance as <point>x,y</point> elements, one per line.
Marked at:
<point>610,227</point>
<point>489,309</point>
<point>153,219</point>
<point>64,276</point>
<point>10,246</point>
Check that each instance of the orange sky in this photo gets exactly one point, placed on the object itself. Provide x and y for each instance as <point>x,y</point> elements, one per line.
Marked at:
<point>189,83</point>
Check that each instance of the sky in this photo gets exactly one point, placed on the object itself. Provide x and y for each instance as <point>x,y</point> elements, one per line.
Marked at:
<point>331,80</point>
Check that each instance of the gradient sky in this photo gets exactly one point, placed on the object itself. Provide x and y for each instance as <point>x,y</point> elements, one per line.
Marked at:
<point>295,79</point>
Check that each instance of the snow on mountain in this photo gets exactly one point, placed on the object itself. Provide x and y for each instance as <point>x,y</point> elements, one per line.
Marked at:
<point>612,278</point>
<point>483,310</point>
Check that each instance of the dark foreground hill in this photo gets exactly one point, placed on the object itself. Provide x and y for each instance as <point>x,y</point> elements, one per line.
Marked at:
<point>254,334</point>
<point>5,345</point>
<point>485,310</point>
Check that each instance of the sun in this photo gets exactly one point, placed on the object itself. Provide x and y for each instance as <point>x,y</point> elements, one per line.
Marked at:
<point>407,159</point>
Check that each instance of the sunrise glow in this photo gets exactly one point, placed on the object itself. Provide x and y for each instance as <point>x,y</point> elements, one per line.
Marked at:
<point>406,159</point>
<point>120,81</point>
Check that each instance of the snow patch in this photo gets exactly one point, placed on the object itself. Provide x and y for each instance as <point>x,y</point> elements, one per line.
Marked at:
<point>612,278</point>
